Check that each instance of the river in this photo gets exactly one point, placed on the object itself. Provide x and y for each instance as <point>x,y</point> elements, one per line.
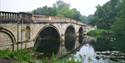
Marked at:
<point>87,54</point>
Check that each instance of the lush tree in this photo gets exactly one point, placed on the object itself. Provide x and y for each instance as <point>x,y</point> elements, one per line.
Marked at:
<point>90,20</point>
<point>119,29</point>
<point>105,15</point>
<point>111,16</point>
<point>64,10</point>
<point>45,11</point>
<point>76,14</point>
<point>83,19</point>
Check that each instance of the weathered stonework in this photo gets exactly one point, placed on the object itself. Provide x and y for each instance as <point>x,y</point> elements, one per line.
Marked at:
<point>24,32</point>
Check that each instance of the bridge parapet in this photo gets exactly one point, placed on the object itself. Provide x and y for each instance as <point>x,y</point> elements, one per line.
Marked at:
<point>21,17</point>
<point>42,18</point>
<point>6,17</point>
<point>13,17</point>
<point>53,19</point>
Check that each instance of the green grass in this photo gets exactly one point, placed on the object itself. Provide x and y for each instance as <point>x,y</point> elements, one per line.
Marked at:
<point>54,59</point>
<point>18,55</point>
<point>24,56</point>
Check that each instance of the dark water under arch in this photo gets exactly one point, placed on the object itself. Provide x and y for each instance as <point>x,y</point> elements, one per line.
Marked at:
<point>48,41</point>
<point>70,38</point>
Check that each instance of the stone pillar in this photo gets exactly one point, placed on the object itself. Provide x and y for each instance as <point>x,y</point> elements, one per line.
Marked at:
<point>77,40</point>
<point>62,46</point>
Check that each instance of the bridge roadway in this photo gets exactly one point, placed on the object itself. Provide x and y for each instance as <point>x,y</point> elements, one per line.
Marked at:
<point>47,34</point>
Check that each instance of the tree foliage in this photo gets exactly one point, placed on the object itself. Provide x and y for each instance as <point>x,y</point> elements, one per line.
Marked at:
<point>105,15</point>
<point>45,11</point>
<point>111,16</point>
<point>119,29</point>
<point>103,39</point>
<point>60,9</point>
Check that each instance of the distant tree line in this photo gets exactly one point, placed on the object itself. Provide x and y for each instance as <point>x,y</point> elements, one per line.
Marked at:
<point>60,9</point>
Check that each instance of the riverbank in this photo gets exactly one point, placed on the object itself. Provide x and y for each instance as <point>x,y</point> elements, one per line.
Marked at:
<point>28,56</point>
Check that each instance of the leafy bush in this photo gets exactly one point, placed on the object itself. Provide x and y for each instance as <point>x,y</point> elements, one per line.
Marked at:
<point>104,39</point>
<point>98,33</point>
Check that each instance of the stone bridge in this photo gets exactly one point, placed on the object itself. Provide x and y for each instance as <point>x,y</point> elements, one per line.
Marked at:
<point>47,34</point>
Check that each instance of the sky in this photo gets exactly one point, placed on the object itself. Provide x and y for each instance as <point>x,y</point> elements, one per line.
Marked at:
<point>86,7</point>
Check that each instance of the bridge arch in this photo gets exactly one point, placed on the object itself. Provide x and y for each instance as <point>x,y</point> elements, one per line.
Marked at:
<point>7,39</point>
<point>70,38</point>
<point>81,35</point>
<point>48,41</point>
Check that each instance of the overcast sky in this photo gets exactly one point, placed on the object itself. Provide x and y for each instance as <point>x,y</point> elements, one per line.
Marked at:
<point>86,7</point>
